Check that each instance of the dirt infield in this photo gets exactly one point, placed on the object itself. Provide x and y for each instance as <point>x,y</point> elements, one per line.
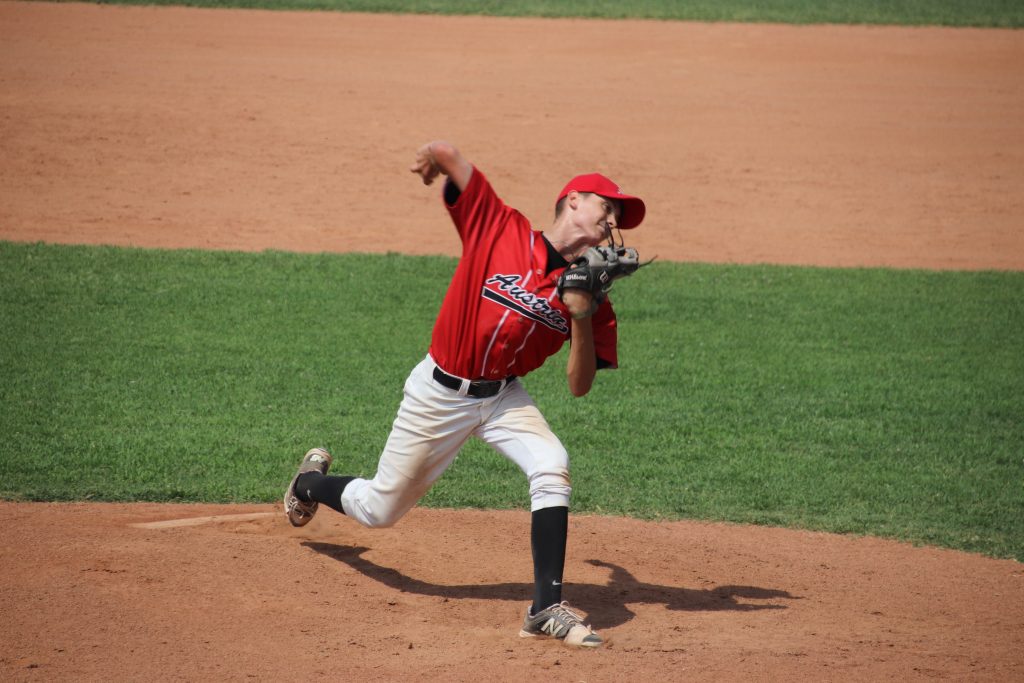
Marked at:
<point>171,127</point>
<point>90,595</point>
<point>832,145</point>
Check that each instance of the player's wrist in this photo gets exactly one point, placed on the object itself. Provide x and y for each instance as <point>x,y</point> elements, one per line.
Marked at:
<point>583,315</point>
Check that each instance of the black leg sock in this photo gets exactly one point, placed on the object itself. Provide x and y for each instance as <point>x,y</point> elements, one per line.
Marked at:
<point>548,533</point>
<point>322,488</point>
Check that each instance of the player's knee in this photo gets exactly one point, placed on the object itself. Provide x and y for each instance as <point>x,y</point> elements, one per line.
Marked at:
<point>373,516</point>
<point>380,521</point>
<point>550,489</point>
<point>383,519</point>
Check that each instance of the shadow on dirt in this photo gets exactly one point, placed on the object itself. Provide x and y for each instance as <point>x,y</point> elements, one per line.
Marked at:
<point>606,605</point>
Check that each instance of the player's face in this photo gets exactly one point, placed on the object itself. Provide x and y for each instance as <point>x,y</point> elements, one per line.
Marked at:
<point>598,216</point>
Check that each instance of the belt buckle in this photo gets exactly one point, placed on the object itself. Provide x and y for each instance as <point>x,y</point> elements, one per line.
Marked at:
<point>480,389</point>
<point>487,388</point>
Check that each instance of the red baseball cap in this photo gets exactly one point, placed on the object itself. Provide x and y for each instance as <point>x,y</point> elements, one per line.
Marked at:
<point>633,208</point>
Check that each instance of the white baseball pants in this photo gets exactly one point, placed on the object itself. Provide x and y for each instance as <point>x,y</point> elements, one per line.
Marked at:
<point>433,423</point>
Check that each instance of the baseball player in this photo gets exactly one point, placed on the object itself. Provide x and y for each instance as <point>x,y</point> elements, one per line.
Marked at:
<point>503,315</point>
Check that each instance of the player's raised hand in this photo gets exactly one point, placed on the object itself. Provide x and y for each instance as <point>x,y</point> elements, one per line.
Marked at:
<point>426,165</point>
<point>442,158</point>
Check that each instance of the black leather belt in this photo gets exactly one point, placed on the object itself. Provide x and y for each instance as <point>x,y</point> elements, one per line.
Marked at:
<point>480,388</point>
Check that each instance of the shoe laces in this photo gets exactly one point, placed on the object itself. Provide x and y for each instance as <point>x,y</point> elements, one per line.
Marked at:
<point>566,615</point>
<point>294,504</point>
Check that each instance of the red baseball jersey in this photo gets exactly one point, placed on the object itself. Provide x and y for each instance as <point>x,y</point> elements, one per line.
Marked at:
<point>502,315</point>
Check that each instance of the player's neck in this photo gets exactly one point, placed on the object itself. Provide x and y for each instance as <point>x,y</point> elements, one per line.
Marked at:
<point>567,250</point>
<point>568,242</point>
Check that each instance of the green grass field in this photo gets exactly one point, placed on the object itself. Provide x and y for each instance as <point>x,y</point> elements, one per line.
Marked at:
<point>865,401</point>
<point>986,13</point>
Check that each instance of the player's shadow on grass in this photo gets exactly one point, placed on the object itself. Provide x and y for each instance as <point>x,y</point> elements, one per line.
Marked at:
<point>605,604</point>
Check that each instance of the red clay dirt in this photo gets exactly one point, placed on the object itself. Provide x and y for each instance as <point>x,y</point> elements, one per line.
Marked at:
<point>825,145</point>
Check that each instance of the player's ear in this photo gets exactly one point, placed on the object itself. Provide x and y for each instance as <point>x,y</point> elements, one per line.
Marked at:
<point>573,199</point>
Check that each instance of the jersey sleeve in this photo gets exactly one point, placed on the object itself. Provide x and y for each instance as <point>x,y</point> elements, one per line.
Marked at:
<point>606,339</point>
<point>476,208</point>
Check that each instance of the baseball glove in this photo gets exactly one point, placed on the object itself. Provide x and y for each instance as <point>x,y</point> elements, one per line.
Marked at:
<point>597,269</point>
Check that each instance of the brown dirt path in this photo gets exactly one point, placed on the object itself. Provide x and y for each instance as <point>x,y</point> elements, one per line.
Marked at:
<point>251,130</point>
<point>90,596</point>
<point>752,143</point>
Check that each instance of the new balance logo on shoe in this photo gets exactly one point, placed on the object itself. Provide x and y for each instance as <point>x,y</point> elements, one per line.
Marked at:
<point>550,627</point>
